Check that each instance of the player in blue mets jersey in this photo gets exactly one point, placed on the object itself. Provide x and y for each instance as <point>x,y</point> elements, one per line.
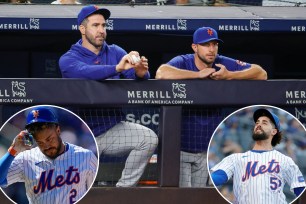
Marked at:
<point>259,175</point>
<point>53,172</point>
<point>206,63</point>
<point>198,126</point>
<point>92,58</point>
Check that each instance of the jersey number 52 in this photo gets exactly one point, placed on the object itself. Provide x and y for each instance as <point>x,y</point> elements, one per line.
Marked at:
<point>275,183</point>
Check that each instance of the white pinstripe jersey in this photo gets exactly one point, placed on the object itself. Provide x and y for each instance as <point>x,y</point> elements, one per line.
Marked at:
<point>259,177</point>
<point>62,180</point>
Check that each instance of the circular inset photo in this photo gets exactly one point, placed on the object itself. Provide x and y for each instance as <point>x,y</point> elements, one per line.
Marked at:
<point>257,155</point>
<point>48,155</point>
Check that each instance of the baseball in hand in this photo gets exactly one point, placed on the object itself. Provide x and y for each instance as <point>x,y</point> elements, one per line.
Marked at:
<point>135,58</point>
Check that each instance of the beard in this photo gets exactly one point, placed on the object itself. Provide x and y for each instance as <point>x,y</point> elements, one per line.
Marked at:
<point>94,42</point>
<point>260,136</point>
<point>54,152</point>
<point>205,60</point>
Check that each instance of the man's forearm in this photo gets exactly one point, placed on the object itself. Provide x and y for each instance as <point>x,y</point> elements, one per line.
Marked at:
<point>169,72</point>
<point>5,163</point>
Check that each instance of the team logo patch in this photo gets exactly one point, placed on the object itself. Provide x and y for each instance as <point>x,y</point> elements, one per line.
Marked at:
<point>35,114</point>
<point>240,63</point>
<point>210,32</point>
<point>301,179</point>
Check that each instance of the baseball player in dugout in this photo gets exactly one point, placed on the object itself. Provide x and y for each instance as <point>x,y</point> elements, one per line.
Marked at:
<point>204,63</point>
<point>259,175</point>
<point>92,58</point>
<point>53,172</point>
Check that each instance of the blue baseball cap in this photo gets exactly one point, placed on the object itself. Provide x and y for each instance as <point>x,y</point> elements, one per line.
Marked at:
<point>41,115</point>
<point>205,34</point>
<point>263,112</point>
<point>92,9</point>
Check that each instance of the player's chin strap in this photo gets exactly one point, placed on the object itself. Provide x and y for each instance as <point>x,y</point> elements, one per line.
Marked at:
<point>12,151</point>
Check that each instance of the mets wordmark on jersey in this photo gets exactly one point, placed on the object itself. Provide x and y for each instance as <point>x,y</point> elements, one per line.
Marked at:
<point>62,180</point>
<point>259,177</point>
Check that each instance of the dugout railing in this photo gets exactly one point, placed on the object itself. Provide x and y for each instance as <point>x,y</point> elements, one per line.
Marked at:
<point>170,96</point>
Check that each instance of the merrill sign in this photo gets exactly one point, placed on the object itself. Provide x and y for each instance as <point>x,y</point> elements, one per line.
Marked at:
<point>254,25</point>
<point>295,97</point>
<point>177,95</point>
<point>32,25</point>
<point>17,93</point>
<point>181,24</point>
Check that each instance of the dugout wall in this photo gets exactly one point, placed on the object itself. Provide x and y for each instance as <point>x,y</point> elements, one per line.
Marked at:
<point>37,35</point>
<point>289,95</point>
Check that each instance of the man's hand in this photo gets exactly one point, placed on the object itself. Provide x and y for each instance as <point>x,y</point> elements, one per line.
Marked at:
<point>223,73</point>
<point>142,67</point>
<point>18,144</point>
<point>205,73</point>
<point>127,61</point>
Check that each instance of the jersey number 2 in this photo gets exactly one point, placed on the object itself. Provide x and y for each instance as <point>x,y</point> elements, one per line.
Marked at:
<point>275,183</point>
<point>73,194</point>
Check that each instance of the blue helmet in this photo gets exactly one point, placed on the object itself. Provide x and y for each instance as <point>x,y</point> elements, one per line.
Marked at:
<point>41,115</point>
